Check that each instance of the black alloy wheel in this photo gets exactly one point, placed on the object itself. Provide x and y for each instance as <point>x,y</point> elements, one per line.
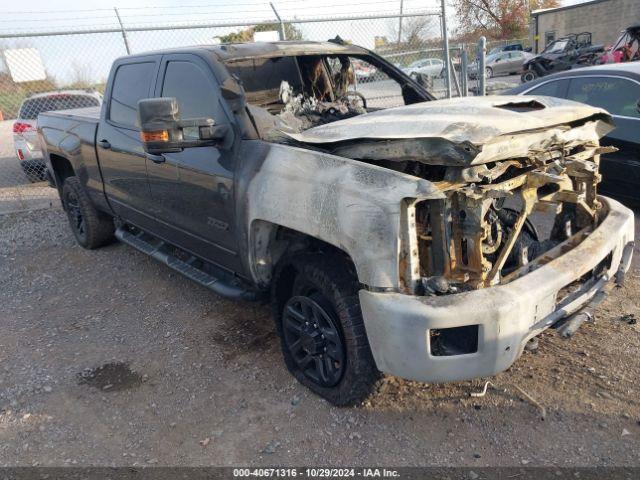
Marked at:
<point>312,336</point>
<point>76,219</point>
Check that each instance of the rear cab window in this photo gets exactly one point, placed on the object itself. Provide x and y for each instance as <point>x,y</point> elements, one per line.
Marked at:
<point>131,83</point>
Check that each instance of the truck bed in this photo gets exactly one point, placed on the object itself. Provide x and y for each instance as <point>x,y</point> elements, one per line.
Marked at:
<point>88,114</point>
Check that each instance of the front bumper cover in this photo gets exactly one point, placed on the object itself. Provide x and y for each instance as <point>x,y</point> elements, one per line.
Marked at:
<point>398,326</point>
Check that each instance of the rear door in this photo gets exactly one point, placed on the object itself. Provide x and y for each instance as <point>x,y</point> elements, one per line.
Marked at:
<point>194,188</point>
<point>122,159</point>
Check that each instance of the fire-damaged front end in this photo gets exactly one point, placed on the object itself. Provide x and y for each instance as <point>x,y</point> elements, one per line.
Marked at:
<point>518,241</point>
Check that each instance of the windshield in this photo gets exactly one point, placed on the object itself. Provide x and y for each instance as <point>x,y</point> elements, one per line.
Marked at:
<point>556,47</point>
<point>322,78</point>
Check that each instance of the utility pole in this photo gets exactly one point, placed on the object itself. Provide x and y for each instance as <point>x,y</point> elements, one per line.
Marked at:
<point>124,33</point>
<point>400,22</point>
<point>445,46</point>
<point>283,34</point>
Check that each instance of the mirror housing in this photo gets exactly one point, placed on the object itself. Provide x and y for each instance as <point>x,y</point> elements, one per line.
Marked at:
<point>162,130</point>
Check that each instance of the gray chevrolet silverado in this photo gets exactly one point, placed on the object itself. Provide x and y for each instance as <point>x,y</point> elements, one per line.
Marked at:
<point>430,240</point>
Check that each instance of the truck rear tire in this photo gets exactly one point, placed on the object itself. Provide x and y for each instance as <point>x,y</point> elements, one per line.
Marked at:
<point>321,329</point>
<point>91,228</point>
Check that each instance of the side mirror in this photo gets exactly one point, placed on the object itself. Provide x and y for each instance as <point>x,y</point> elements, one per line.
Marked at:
<point>162,130</point>
<point>638,106</point>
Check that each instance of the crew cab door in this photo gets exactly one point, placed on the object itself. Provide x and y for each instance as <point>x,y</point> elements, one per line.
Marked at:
<point>193,189</point>
<point>119,148</point>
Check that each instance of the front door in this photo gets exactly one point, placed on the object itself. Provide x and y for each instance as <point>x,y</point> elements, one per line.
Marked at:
<point>193,189</point>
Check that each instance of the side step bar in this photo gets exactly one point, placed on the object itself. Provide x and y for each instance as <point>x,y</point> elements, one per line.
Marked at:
<point>160,251</point>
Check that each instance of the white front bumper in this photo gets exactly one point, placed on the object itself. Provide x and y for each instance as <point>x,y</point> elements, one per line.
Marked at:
<point>398,326</point>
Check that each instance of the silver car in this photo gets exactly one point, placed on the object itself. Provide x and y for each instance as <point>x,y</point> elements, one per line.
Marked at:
<point>502,63</point>
<point>431,67</point>
<point>25,138</point>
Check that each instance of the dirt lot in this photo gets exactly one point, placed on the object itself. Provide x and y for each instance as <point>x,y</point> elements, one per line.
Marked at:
<point>207,386</point>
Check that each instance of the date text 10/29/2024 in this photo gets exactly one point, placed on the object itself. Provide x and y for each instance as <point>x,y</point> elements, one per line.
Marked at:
<point>316,472</point>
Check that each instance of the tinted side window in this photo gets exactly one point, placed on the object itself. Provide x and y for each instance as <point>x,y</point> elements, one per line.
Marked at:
<point>616,95</point>
<point>130,84</point>
<point>193,88</point>
<point>551,89</point>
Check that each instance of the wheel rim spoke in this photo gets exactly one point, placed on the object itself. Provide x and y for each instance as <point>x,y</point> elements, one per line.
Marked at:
<point>295,313</point>
<point>321,369</point>
<point>75,214</point>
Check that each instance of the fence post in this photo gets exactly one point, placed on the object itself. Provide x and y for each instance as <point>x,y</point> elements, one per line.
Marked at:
<point>482,79</point>
<point>400,23</point>
<point>445,46</point>
<point>454,76</point>
<point>124,32</point>
<point>283,34</point>
<point>464,61</point>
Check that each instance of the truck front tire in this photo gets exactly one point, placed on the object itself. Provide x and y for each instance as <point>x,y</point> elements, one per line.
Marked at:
<point>321,329</point>
<point>91,228</point>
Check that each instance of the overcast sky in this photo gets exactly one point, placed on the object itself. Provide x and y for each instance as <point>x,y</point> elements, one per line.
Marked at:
<point>64,57</point>
<point>47,14</point>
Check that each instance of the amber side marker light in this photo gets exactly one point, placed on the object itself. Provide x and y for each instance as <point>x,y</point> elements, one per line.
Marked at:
<point>159,136</point>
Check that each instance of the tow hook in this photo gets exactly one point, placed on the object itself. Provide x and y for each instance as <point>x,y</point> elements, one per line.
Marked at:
<point>571,325</point>
<point>625,261</point>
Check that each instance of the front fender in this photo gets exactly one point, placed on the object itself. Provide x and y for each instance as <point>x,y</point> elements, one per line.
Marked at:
<point>349,204</point>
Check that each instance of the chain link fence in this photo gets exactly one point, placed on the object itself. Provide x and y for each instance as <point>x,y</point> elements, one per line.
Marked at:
<point>61,70</point>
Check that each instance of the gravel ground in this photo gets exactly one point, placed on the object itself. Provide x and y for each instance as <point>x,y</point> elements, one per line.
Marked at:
<point>109,358</point>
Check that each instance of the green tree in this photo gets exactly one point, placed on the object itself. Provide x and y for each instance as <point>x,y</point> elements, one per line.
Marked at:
<point>246,35</point>
<point>497,19</point>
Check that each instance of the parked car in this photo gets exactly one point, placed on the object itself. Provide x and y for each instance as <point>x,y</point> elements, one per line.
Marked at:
<point>503,63</point>
<point>431,67</point>
<point>572,51</point>
<point>615,88</point>
<point>380,236</point>
<point>25,139</point>
<point>363,71</point>
<point>512,47</point>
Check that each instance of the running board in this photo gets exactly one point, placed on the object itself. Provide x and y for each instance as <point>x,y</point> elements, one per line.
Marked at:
<point>160,251</point>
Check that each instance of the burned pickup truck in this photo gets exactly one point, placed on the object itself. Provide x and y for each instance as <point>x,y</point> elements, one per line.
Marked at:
<point>430,240</point>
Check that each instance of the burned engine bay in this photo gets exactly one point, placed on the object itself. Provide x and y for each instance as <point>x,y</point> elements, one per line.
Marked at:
<point>518,175</point>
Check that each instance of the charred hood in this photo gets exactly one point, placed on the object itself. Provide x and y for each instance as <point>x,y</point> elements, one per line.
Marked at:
<point>462,131</point>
